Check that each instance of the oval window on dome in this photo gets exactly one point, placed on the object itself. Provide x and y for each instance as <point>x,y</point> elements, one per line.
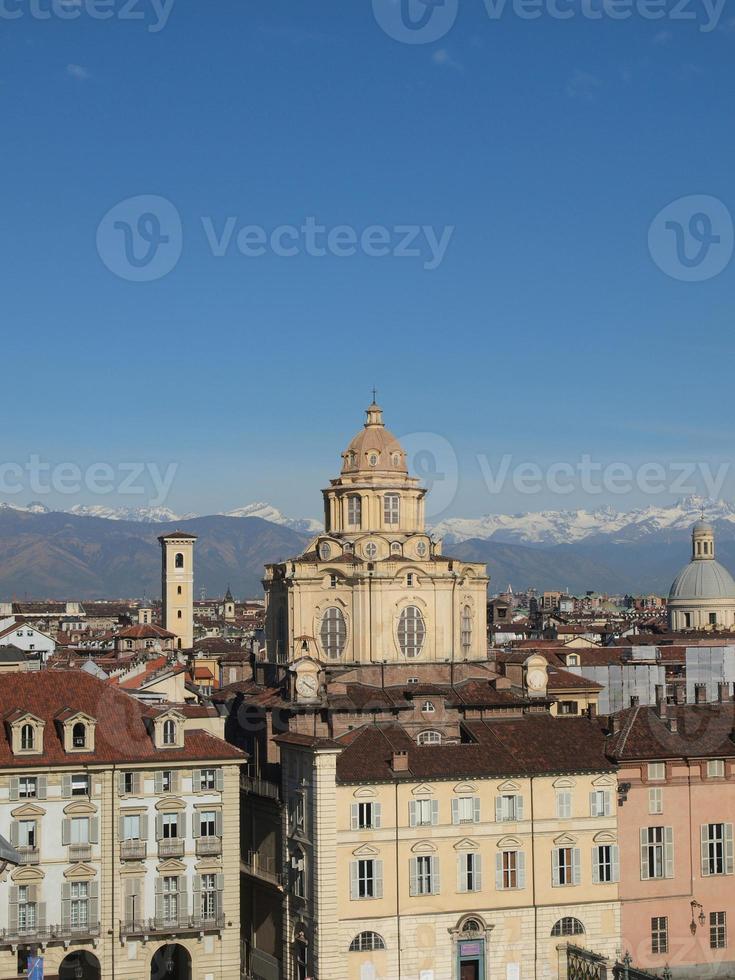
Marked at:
<point>396,459</point>
<point>324,551</point>
<point>421,549</point>
<point>373,459</point>
<point>333,632</point>
<point>411,632</point>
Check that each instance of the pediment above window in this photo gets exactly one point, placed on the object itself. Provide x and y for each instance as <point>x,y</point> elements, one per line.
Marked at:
<point>424,847</point>
<point>605,781</point>
<point>171,867</point>
<point>80,808</point>
<point>465,788</point>
<point>509,843</point>
<point>28,810</point>
<point>167,805</point>
<point>366,850</point>
<point>466,845</point>
<point>509,787</point>
<point>364,793</point>
<point>422,790</point>
<point>565,840</point>
<point>80,872</point>
<point>564,782</point>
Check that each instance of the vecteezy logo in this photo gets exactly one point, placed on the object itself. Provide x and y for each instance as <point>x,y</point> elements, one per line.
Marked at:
<point>141,238</point>
<point>692,238</point>
<point>416,21</point>
<point>433,460</point>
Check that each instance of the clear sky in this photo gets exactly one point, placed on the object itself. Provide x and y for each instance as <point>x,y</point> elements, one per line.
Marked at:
<point>546,330</point>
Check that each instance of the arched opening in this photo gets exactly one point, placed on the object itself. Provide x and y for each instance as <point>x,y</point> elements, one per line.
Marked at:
<point>568,926</point>
<point>179,560</point>
<point>169,732</point>
<point>171,962</point>
<point>80,965</point>
<point>333,633</point>
<point>27,737</point>
<point>411,632</point>
<point>79,735</point>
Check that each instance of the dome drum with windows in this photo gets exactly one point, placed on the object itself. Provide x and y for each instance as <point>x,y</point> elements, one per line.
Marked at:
<point>702,595</point>
<point>375,586</point>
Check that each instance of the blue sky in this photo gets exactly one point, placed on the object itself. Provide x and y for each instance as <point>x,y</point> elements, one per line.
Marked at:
<point>547,331</point>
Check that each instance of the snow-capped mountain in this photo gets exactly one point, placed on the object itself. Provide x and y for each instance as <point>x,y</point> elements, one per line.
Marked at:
<point>145,515</point>
<point>570,526</point>
<point>33,508</point>
<point>267,512</point>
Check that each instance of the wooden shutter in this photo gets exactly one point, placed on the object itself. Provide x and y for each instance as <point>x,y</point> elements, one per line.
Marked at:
<point>413,877</point>
<point>66,904</point>
<point>133,909</point>
<point>14,832</point>
<point>644,854</point>
<point>137,783</point>
<point>144,826</point>
<point>196,897</point>
<point>66,831</point>
<point>175,781</point>
<point>13,910</point>
<point>434,812</point>
<point>555,867</point>
<point>378,878</point>
<point>183,898</point>
<point>121,828</point>
<point>14,788</point>
<point>219,780</point>
<point>704,848</point>
<point>607,809</point>
<point>181,823</point>
<point>477,868</point>
<point>159,898</point>
<point>498,808</point>
<point>159,828</point>
<point>615,860</point>
<point>593,804</point>
<point>354,886</point>
<point>218,823</point>
<point>412,813</point>
<point>377,815</point>
<point>66,785</point>
<point>576,866</point>
<point>355,816</point>
<point>521,868</point>
<point>94,830</point>
<point>595,865</point>
<point>728,849</point>
<point>196,781</point>
<point>121,783</point>
<point>669,851</point>
<point>519,808</point>
<point>455,811</point>
<point>94,902</point>
<point>158,783</point>
<point>499,871</point>
<point>41,915</point>
<point>461,872</point>
<point>476,809</point>
<point>196,824</point>
<point>42,787</point>
<point>435,885</point>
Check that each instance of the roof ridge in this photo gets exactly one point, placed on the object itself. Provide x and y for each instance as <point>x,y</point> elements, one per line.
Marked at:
<point>628,728</point>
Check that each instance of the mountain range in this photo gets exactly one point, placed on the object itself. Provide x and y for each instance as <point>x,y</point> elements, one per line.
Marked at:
<point>95,552</point>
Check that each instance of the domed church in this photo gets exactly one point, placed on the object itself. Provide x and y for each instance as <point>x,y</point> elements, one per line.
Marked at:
<point>703,593</point>
<point>375,588</point>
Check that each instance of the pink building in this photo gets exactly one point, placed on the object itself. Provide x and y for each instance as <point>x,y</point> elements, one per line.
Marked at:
<point>675,824</point>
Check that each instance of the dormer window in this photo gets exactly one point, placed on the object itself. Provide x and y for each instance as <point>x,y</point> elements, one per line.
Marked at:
<point>79,735</point>
<point>428,708</point>
<point>28,738</point>
<point>373,459</point>
<point>169,732</point>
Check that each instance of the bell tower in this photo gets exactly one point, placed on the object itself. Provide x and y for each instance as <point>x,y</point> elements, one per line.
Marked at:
<point>177,586</point>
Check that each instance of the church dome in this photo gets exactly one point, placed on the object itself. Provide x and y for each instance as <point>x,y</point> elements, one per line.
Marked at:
<point>703,580</point>
<point>375,448</point>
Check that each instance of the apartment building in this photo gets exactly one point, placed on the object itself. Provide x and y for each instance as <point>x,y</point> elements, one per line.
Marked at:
<point>126,818</point>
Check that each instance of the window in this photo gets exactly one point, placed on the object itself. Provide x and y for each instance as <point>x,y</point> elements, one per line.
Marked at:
<point>466,809</point>
<point>80,784</point>
<point>715,769</point>
<point>600,804</point>
<point>423,813</point>
<point>366,879</point>
<point>510,870</point>
<point>392,508</point>
<point>687,620</point>
<point>324,551</point>
<point>169,826</point>
<point>366,816</point>
<point>508,807</point>
<point>208,780</point>
<point>656,800</point>
<point>169,732</point>
<point>79,735</point>
<point>717,930</point>
<point>466,629</point>
<point>79,904</point>
<point>27,787</point>
<point>421,549</point>
<point>367,942</point>
<point>428,738</point>
<point>411,631</point>
<point>605,864</point>
<point>568,926</point>
<point>27,737</point>
<point>298,866</point>
<point>333,581</point>
<point>424,875</point>
<point>564,804</point>
<point>657,852</point>
<point>208,823</point>
<point>131,826</point>
<point>566,869</point>
<point>428,708</point>
<point>660,934</point>
<point>409,579</point>
<point>469,872</point>
<point>333,632</point>
<point>26,908</point>
<point>395,548</point>
<point>79,830</point>
<point>717,849</point>
<point>373,459</point>
<point>568,708</point>
<point>656,771</point>
<point>167,781</point>
<point>170,898</point>
<point>354,510</point>
<point>713,622</point>
<point>371,549</point>
<point>27,833</point>
<point>209,896</point>
<point>179,562</point>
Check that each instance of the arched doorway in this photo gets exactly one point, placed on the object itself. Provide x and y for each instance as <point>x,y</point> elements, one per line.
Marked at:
<point>80,965</point>
<point>171,963</point>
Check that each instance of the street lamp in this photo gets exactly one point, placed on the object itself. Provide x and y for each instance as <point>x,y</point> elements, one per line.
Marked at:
<point>666,975</point>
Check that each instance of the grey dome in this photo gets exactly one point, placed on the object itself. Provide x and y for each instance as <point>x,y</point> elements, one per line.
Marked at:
<point>703,526</point>
<point>703,580</point>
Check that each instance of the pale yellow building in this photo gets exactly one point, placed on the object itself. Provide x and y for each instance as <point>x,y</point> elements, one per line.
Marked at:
<point>177,586</point>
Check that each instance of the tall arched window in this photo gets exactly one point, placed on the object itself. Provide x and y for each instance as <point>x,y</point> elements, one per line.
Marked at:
<point>179,560</point>
<point>354,510</point>
<point>366,942</point>
<point>411,631</point>
<point>169,732</point>
<point>79,735</point>
<point>27,737</point>
<point>466,629</point>
<point>333,632</point>
<point>392,508</point>
<point>568,926</point>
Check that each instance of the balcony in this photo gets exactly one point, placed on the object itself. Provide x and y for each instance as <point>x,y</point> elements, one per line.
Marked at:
<point>80,852</point>
<point>208,846</point>
<point>133,850</point>
<point>260,787</point>
<point>29,855</point>
<point>171,847</point>
<point>168,927</point>
<point>50,934</point>
<point>262,866</point>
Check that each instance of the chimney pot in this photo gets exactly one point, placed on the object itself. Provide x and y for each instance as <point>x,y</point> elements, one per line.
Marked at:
<point>700,693</point>
<point>634,701</point>
<point>673,725</point>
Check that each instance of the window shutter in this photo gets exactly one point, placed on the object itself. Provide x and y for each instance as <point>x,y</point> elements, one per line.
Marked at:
<point>137,783</point>
<point>159,828</point>
<point>377,815</point>
<point>669,838</point>
<point>477,863</point>
<point>499,871</point>
<point>462,873</point>
<point>41,915</point>
<point>196,781</point>
<point>159,898</point>
<point>608,803</point>
<point>183,899</point>
<point>42,787</point>
<point>413,877</point>
<point>181,824</point>
<point>476,809</point>
<point>121,828</point>
<point>94,902</point>
<point>615,859</point>
<point>158,783</point>
<point>435,812</point>
<point>66,904</point>
<point>132,900</point>
<point>412,813</point>
<point>121,783</point>
<point>595,865</point>
<point>94,830</point>
<point>144,826</point>
<point>435,885</point>
<point>66,785</point>
<point>704,848</point>
<point>14,788</point>
<point>65,831</point>
<point>593,804</point>
<point>644,854</point>
<point>354,816</point>
<point>378,878</point>
<point>521,866</point>
<point>219,780</point>
<point>218,823</point>
<point>196,824</point>
<point>455,811</point>
<point>354,891</point>
<point>555,867</point>
<point>175,781</point>
<point>576,866</point>
<point>519,808</point>
<point>498,808</point>
<point>196,897</point>
<point>728,849</point>
<point>13,909</point>
<point>14,833</point>
<point>220,882</point>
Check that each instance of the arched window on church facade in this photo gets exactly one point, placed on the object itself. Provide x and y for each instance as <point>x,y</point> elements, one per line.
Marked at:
<point>333,632</point>
<point>411,632</point>
<point>466,629</point>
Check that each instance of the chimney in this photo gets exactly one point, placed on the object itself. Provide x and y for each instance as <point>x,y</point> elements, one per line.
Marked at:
<point>673,725</point>
<point>634,701</point>
<point>700,693</point>
<point>613,724</point>
<point>680,693</point>
<point>592,710</point>
<point>723,691</point>
<point>400,761</point>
